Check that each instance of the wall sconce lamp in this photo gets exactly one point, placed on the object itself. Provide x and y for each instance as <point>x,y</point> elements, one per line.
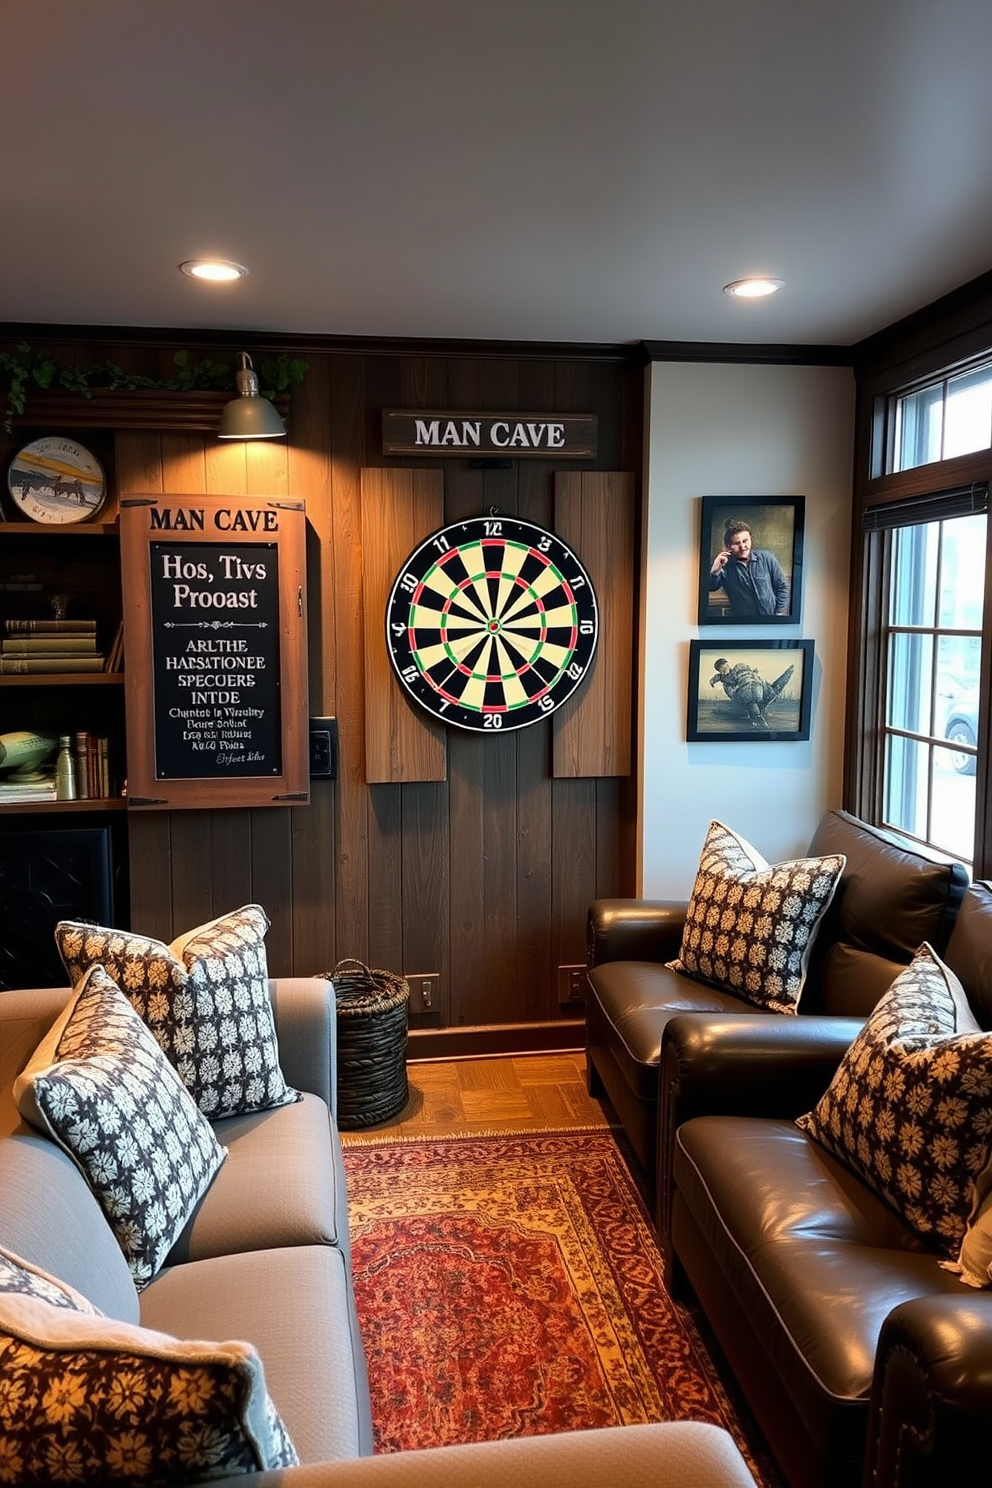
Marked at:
<point>249,416</point>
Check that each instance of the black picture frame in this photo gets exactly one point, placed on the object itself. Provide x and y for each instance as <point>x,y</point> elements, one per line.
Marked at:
<point>714,716</point>
<point>777,526</point>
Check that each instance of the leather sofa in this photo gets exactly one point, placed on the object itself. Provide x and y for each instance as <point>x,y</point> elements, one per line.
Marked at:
<point>863,1360</point>
<point>891,897</point>
<point>265,1257</point>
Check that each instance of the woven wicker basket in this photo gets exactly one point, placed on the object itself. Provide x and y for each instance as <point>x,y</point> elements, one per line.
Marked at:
<point>373,1008</point>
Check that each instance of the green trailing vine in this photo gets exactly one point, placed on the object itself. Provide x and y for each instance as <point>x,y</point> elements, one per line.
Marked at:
<point>25,369</point>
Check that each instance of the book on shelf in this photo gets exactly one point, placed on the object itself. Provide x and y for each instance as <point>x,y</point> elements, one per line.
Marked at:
<point>49,627</point>
<point>92,756</point>
<point>53,643</point>
<point>38,662</point>
<point>115,656</point>
<point>80,753</point>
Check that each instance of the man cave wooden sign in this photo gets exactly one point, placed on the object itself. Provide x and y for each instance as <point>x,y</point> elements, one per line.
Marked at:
<point>215,634</point>
<point>558,436</point>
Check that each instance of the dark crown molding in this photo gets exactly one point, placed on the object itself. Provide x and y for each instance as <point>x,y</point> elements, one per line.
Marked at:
<point>942,331</point>
<point>151,337</point>
<point>775,353</point>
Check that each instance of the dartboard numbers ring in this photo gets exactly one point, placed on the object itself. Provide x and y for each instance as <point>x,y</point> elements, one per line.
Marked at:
<point>492,623</point>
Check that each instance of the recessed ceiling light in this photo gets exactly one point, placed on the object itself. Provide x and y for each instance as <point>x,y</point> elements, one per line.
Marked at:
<point>753,289</point>
<point>217,270</point>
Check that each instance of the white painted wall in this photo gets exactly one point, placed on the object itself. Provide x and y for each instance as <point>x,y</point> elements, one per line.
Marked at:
<point>728,430</point>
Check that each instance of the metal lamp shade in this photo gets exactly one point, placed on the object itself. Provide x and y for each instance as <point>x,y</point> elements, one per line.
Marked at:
<point>249,416</point>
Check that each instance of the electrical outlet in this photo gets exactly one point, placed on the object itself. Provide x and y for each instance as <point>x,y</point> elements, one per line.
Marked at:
<point>323,748</point>
<point>571,984</point>
<point>425,992</point>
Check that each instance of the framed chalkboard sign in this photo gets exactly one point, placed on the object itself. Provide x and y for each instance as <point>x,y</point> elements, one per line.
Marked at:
<point>215,651</point>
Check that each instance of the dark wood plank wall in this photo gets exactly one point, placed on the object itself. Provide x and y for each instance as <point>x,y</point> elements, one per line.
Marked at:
<point>482,877</point>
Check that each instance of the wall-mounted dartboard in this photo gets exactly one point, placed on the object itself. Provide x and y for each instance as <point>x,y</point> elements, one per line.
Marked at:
<point>492,623</point>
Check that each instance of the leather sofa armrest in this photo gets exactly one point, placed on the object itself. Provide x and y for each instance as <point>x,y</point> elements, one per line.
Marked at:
<point>750,1064</point>
<point>306,1027</point>
<point>671,1454</point>
<point>634,930</point>
<point>758,1064</point>
<point>929,1408</point>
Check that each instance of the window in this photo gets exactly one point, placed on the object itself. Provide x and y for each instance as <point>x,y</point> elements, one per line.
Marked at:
<point>931,647</point>
<point>918,755</point>
<point>944,419</point>
<point>924,603</point>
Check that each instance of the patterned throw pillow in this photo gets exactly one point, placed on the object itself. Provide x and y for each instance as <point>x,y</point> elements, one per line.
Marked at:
<point>99,1085</point>
<point>206,999</point>
<point>86,1399</point>
<point>910,1107</point>
<point>18,1277</point>
<point>750,925</point>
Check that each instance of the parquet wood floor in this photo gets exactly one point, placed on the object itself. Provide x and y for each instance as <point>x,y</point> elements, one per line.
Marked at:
<point>528,1092</point>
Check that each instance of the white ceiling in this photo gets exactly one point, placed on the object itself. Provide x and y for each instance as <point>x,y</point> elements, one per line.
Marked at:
<point>560,170</point>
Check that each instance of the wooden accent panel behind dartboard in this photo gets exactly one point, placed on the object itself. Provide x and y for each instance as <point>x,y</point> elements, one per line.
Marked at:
<point>482,877</point>
<point>594,512</point>
<point>399,509</point>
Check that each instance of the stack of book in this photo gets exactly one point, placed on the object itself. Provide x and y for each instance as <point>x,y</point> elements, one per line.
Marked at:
<point>42,788</point>
<point>90,752</point>
<point>50,646</point>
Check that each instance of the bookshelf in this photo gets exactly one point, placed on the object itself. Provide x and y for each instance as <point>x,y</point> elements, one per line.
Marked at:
<point>71,858</point>
<point>82,563</point>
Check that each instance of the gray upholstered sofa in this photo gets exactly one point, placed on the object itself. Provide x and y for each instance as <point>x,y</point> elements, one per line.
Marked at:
<point>265,1258</point>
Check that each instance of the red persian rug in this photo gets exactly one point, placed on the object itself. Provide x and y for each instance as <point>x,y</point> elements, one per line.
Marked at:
<point>510,1286</point>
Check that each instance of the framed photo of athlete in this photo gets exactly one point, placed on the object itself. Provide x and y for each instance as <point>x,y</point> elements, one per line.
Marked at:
<point>751,560</point>
<point>748,691</point>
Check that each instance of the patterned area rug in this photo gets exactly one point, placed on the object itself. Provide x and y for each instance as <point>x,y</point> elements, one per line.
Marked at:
<point>511,1286</point>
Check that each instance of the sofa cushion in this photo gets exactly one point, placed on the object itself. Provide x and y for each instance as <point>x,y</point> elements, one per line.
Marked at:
<point>18,1277</point>
<point>206,999</point>
<point>99,1085</point>
<point>969,950</point>
<point>282,1183</point>
<point>638,999</point>
<point>87,1399</point>
<point>40,1185</point>
<point>892,896</point>
<point>297,1308</point>
<point>909,1108</point>
<point>969,955</point>
<point>26,1015</point>
<point>797,1263</point>
<point>750,925</point>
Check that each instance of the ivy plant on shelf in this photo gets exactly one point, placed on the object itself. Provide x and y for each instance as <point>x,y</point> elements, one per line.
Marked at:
<point>23,369</point>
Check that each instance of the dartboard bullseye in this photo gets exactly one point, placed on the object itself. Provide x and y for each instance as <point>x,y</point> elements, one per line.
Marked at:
<point>492,623</point>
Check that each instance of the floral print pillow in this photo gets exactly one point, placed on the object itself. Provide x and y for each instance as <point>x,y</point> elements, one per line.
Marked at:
<point>750,925</point>
<point>85,1399</point>
<point>910,1107</point>
<point>19,1278</point>
<point>206,999</point>
<point>99,1085</point>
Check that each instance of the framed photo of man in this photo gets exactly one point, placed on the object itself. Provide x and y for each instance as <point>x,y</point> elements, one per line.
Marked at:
<point>751,560</point>
<point>747,691</point>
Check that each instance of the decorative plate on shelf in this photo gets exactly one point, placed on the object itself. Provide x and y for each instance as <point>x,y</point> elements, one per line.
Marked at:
<point>56,480</point>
